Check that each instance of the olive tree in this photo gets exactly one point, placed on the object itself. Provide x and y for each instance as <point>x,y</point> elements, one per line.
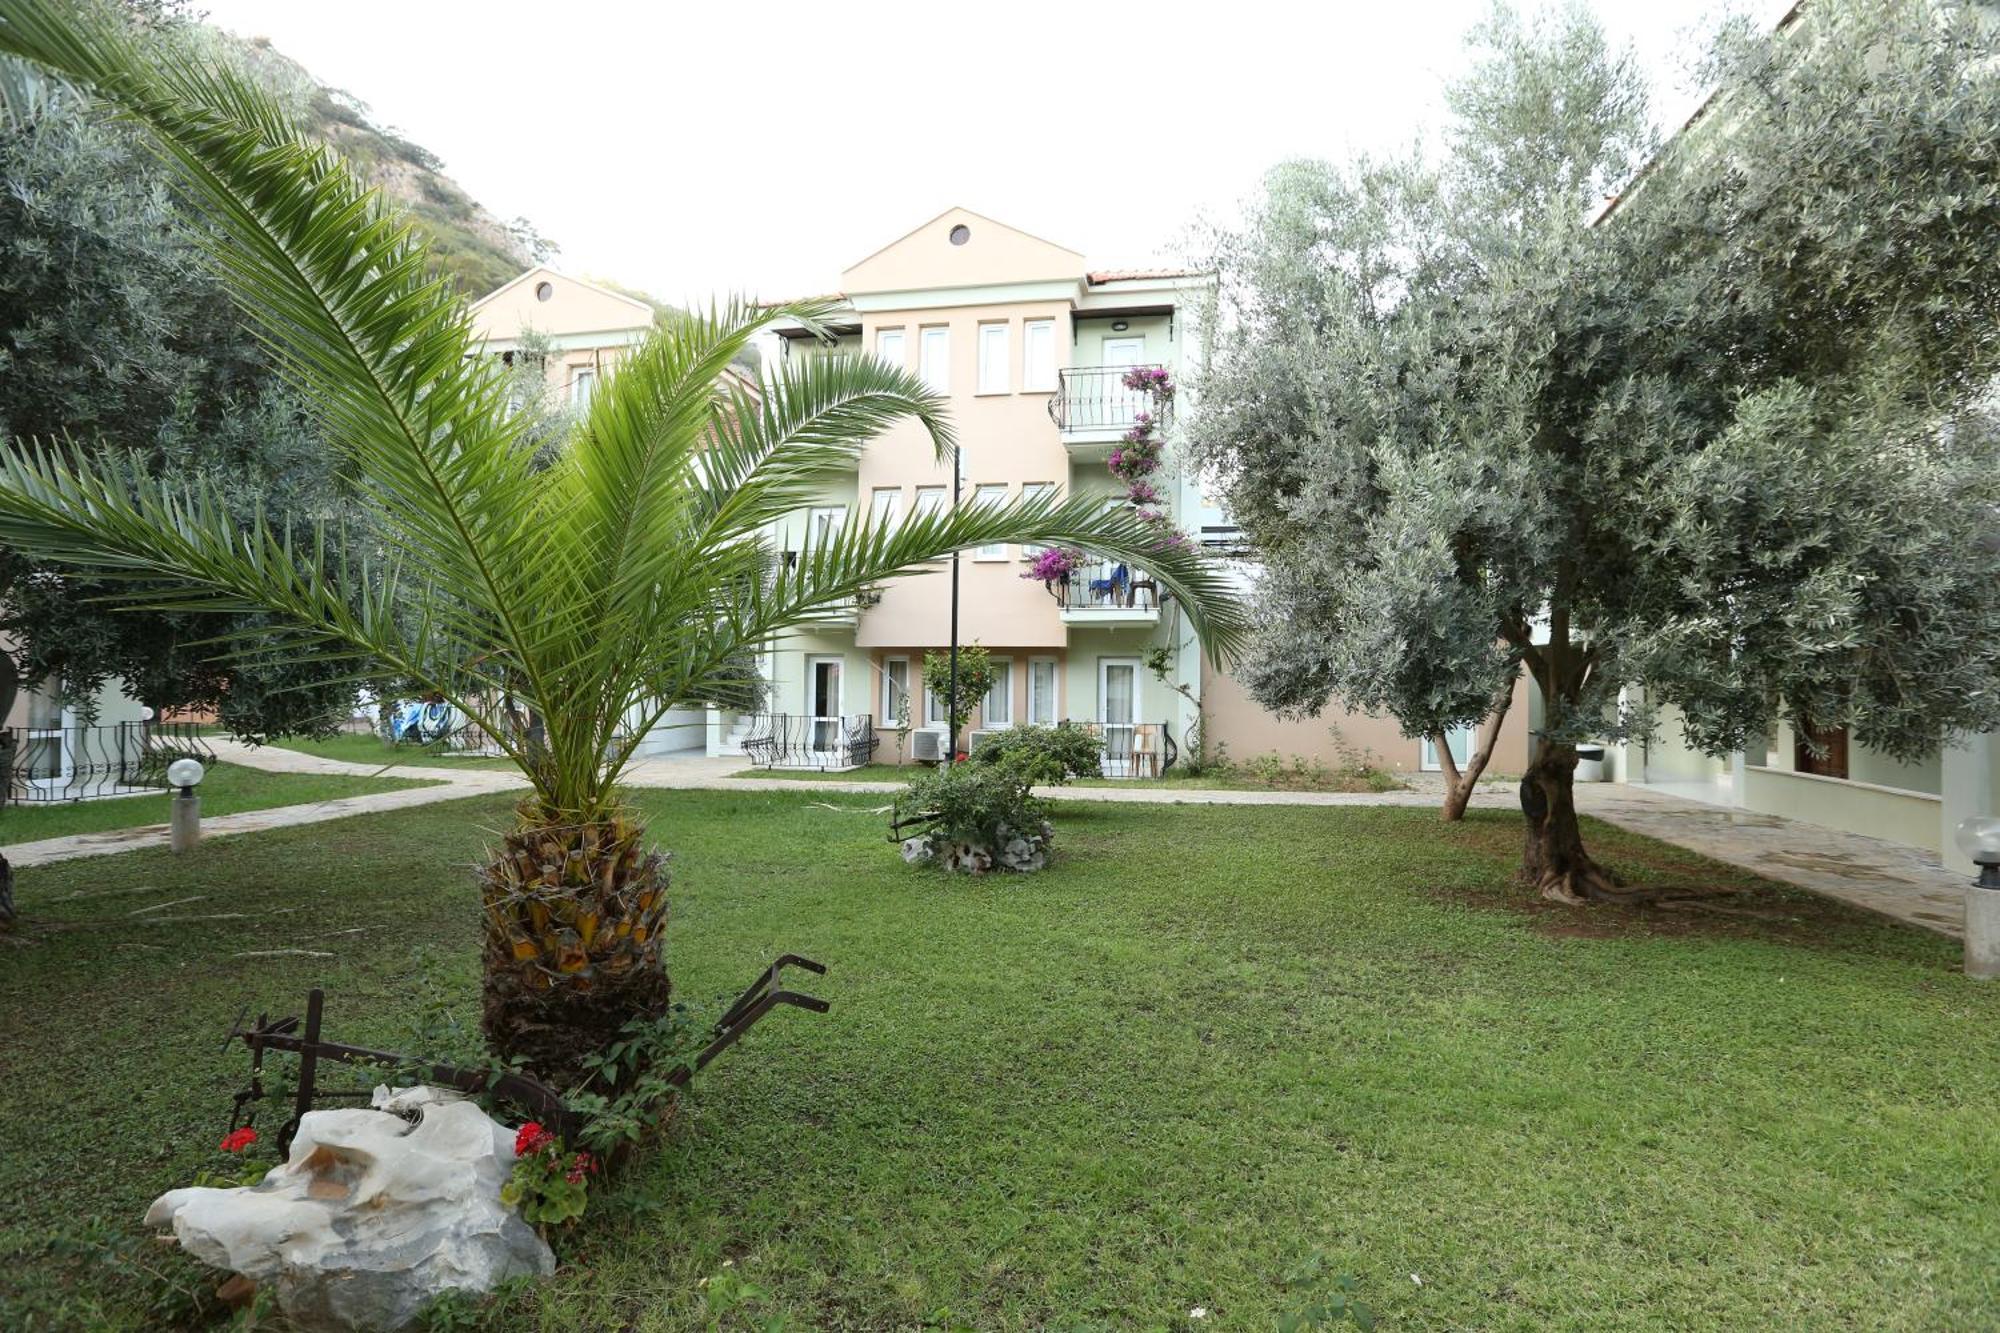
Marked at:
<point>1720,441</point>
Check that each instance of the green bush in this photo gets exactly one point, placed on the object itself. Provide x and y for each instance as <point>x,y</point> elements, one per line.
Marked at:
<point>981,803</point>
<point>1045,756</point>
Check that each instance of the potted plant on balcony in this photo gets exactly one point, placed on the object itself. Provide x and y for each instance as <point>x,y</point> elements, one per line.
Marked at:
<point>1054,565</point>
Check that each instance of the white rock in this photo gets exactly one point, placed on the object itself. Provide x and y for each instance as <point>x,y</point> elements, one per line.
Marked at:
<point>371,1217</point>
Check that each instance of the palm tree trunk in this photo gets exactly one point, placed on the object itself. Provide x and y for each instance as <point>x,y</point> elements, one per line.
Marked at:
<point>575,924</point>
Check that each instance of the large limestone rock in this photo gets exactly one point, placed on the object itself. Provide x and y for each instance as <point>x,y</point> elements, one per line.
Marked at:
<point>372,1216</point>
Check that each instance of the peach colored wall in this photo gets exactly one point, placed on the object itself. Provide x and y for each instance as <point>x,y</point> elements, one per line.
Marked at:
<point>1240,722</point>
<point>573,307</point>
<point>1007,440</point>
<point>993,253</point>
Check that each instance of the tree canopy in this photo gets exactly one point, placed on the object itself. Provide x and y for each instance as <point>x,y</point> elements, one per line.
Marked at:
<point>1724,442</point>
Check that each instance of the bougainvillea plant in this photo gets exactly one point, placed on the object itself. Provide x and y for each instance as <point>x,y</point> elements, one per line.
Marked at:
<point>1055,564</point>
<point>549,1185</point>
<point>1139,456</point>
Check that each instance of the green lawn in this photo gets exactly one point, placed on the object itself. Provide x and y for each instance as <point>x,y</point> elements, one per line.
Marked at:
<point>226,790</point>
<point>368,748</point>
<point>1206,1045</point>
<point>1230,779</point>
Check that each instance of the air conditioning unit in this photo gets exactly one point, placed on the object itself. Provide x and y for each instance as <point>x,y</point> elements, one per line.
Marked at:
<point>972,741</point>
<point>927,745</point>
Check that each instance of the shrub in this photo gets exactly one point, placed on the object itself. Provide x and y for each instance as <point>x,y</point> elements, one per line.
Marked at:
<point>981,817</point>
<point>1045,756</point>
<point>975,678</point>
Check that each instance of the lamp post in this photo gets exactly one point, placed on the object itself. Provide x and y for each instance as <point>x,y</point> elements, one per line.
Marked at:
<point>951,691</point>
<point>1979,839</point>
<point>184,824</point>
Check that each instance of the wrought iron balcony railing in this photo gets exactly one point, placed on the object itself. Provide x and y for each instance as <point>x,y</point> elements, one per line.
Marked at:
<point>1094,398</point>
<point>792,740</point>
<point>1107,585</point>
<point>52,764</point>
<point>1136,749</point>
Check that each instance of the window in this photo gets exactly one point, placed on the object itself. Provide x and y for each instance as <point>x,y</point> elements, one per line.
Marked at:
<point>1035,490</point>
<point>1038,356</point>
<point>997,708</point>
<point>993,368</point>
<point>1042,691</point>
<point>823,525</point>
<point>885,505</point>
<point>889,347</point>
<point>895,689</point>
<point>930,502</point>
<point>581,381</point>
<point>934,708</point>
<point>934,356</point>
<point>990,497</point>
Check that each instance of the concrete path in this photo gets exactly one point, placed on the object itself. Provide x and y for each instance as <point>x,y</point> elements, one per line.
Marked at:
<point>451,785</point>
<point>1898,881</point>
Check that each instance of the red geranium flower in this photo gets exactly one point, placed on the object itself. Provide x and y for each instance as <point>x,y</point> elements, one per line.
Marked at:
<point>531,1138</point>
<point>236,1140</point>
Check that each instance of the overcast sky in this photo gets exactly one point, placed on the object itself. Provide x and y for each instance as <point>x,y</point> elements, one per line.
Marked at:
<point>764,147</point>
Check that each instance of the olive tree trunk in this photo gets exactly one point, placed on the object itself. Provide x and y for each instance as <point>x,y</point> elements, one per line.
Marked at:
<point>1458,787</point>
<point>1554,859</point>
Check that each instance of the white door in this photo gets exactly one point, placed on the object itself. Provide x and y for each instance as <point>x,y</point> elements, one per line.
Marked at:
<point>1120,403</point>
<point>823,701</point>
<point>1460,739</point>
<point>1118,714</point>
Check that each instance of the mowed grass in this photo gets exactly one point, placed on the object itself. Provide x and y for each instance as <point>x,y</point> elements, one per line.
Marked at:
<point>226,789</point>
<point>368,748</point>
<point>1207,1044</point>
<point>1232,778</point>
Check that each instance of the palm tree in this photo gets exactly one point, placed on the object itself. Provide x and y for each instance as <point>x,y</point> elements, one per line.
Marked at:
<point>628,577</point>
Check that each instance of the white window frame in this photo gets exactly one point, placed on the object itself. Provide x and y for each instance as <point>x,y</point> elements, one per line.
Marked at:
<point>889,691</point>
<point>934,711</point>
<point>892,347</point>
<point>582,376</point>
<point>942,497</point>
<point>990,494</point>
<point>934,356</point>
<point>885,506</point>
<point>995,358</point>
<point>1034,490</point>
<point>1055,692</point>
<point>816,518</point>
<point>1038,378</point>
<point>1003,682</point>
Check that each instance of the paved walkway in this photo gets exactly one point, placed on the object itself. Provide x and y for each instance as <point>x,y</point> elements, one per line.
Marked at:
<point>1896,880</point>
<point>451,785</point>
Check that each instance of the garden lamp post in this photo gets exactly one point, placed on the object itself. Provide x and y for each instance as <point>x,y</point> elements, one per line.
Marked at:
<point>184,824</point>
<point>951,691</point>
<point>1979,839</point>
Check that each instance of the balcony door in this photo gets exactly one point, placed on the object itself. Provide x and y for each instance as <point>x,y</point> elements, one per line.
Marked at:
<point>1120,403</point>
<point>1118,714</point>
<point>823,702</point>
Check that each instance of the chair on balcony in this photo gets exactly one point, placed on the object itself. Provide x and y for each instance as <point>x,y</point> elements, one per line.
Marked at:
<point>1117,585</point>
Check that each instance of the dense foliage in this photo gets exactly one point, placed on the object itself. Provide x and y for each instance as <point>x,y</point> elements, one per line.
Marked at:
<point>1722,446</point>
<point>975,678</point>
<point>981,806</point>
<point>1044,756</point>
<point>115,331</point>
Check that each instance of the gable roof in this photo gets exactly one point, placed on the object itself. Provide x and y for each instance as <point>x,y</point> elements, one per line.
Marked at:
<point>992,253</point>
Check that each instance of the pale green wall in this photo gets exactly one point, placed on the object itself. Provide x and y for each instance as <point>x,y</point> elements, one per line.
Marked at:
<point>788,672</point>
<point>1897,816</point>
<point>1088,335</point>
<point>1669,757</point>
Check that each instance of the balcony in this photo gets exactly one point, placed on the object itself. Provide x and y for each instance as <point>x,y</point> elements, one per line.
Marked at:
<point>1092,407</point>
<point>1107,592</point>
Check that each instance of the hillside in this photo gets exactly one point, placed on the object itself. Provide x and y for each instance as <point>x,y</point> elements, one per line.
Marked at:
<point>477,249</point>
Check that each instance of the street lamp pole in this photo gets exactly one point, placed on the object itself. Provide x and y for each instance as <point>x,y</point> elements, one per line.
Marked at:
<point>951,694</point>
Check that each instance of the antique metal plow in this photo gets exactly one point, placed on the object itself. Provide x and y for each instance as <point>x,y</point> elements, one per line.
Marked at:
<point>544,1103</point>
